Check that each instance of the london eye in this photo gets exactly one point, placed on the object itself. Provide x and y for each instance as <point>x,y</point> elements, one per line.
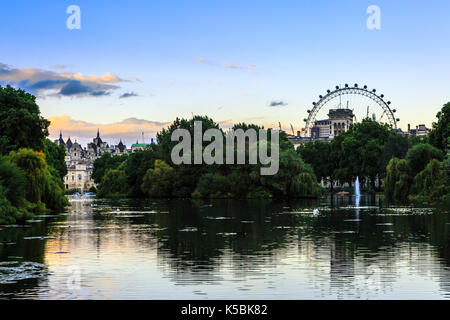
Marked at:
<point>363,103</point>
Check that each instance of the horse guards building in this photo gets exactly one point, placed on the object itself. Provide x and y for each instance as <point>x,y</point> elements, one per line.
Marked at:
<point>80,161</point>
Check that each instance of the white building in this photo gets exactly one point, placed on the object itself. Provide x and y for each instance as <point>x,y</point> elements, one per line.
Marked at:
<point>80,161</point>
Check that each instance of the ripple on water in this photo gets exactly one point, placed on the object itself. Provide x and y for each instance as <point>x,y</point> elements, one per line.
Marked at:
<point>226,234</point>
<point>39,238</point>
<point>219,218</point>
<point>189,229</point>
<point>13,271</point>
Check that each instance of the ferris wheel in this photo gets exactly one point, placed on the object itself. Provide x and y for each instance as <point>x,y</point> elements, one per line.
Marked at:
<point>363,102</point>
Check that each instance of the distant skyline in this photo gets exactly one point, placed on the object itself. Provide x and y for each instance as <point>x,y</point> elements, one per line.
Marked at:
<point>135,66</point>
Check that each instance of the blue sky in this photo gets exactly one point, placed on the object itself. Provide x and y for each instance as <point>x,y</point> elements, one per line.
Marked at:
<point>230,59</point>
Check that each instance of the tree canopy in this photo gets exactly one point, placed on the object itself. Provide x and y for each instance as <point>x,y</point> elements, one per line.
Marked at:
<point>21,123</point>
<point>440,133</point>
<point>32,167</point>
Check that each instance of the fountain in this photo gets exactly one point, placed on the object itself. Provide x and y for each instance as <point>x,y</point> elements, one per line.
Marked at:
<point>357,192</point>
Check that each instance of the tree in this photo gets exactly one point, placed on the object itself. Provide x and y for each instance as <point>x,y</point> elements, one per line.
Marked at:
<point>420,155</point>
<point>445,167</point>
<point>55,156</point>
<point>305,184</point>
<point>213,185</point>
<point>12,181</point>
<point>441,129</point>
<point>21,124</point>
<point>294,179</point>
<point>358,152</point>
<point>397,181</point>
<point>135,168</point>
<point>43,188</point>
<point>317,154</point>
<point>105,162</point>
<point>396,146</point>
<point>429,183</point>
<point>164,137</point>
<point>158,181</point>
<point>114,184</point>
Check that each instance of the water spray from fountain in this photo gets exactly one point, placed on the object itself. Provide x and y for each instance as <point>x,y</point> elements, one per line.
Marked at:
<point>357,192</point>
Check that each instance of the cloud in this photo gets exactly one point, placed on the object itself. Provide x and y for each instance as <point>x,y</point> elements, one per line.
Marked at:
<point>50,83</point>
<point>227,65</point>
<point>58,66</point>
<point>128,95</point>
<point>129,130</point>
<point>278,104</point>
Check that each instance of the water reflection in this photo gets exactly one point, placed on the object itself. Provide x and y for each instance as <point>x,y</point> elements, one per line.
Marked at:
<point>186,249</point>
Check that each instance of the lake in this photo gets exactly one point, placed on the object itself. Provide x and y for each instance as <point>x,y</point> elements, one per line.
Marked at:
<point>227,249</point>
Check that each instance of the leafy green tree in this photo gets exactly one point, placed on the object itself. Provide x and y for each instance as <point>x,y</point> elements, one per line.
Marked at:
<point>420,155</point>
<point>158,181</point>
<point>305,184</point>
<point>441,129</point>
<point>318,155</point>
<point>396,146</point>
<point>105,162</point>
<point>213,185</point>
<point>241,182</point>
<point>294,179</point>
<point>445,167</point>
<point>397,181</point>
<point>55,157</point>
<point>114,184</point>
<point>164,137</point>
<point>429,183</point>
<point>135,167</point>
<point>44,187</point>
<point>21,123</point>
<point>12,181</point>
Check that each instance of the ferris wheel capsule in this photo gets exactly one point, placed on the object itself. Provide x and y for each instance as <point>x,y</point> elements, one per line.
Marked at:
<point>346,85</point>
<point>337,87</point>
<point>365,87</point>
<point>328,90</point>
<point>398,119</point>
<point>356,85</point>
